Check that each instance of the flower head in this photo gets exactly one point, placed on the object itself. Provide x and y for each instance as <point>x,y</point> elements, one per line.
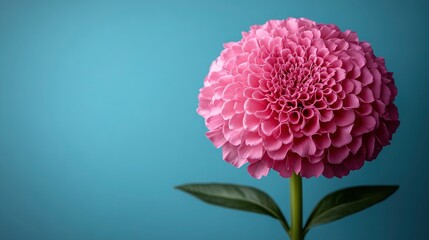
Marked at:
<point>296,96</point>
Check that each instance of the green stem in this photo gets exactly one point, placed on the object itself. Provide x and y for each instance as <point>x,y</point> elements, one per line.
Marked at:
<point>296,207</point>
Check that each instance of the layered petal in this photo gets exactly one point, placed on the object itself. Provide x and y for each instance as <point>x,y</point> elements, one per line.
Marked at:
<point>299,97</point>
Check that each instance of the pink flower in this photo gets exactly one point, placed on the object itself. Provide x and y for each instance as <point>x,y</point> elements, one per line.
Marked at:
<point>296,96</point>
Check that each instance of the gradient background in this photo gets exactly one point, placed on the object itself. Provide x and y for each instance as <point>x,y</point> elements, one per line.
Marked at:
<point>98,121</point>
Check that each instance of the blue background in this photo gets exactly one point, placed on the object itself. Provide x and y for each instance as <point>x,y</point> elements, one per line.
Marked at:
<point>98,121</point>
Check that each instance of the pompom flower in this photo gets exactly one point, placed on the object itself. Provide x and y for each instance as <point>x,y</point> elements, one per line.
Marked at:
<point>296,96</point>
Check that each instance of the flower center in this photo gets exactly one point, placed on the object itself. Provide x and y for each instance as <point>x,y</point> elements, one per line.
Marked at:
<point>294,82</point>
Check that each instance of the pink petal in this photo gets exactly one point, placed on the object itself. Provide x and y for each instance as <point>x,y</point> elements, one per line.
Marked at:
<point>338,104</point>
<point>293,162</point>
<point>340,74</point>
<point>328,127</point>
<point>385,94</point>
<point>355,145</point>
<point>284,171</point>
<point>363,125</point>
<point>228,110</point>
<point>327,171</point>
<point>216,107</point>
<point>351,101</point>
<point>252,106</point>
<point>322,52</point>
<point>366,95</point>
<point>379,107</point>
<point>344,117</point>
<point>360,60</point>
<point>254,68</point>
<point>370,146</point>
<point>326,115</point>
<point>206,92</point>
<point>214,122</point>
<point>236,122</point>
<point>366,76</point>
<point>252,138</point>
<point>232,136</point>
<point>272,144</point>
<point>294,117</point>
<point>382,134</point>
<point>391,127</point>
<point>318,43</point>
<point>376,74</point>
<point>337,155</point>
<point>216,137</point>
<point>268,126</point>
<point>266,114</point>
<point>253,80</point>
<point>364,109</point>
<point>258,169</point>
<point>322,141</point>
<point>348,86</point>
<point>250,44</point>
<point>377,149</point>
<point>280,153</point>
<point>230,91</point>
<point>257,95</point>
<point>230,154</point>
<point>304,146</point>
<point>292,25</point>
<point>204,108</point>
<point>311,170</point>
<point>253,152</point>
<point>393,112</point>
<point>358,87</point>
<point>250,122</point>
<point>339,170</point>
<point>376,89</point>
<point>317,157</point>
<point>311,126</point>
<point>342,136</point>
<point>355,162</point>
<point>239,107</point>
<point>285,135</point>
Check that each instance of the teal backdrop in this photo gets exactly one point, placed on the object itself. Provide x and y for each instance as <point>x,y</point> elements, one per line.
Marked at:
<point>98,120</point>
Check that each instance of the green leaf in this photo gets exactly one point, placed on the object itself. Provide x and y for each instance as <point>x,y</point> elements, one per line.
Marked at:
<point>236,197</point>
<point>347,201</point>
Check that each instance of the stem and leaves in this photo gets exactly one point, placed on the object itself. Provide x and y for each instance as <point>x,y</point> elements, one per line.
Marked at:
<point>237,197</point>
<point>334,206</point>
<point>345,202</point>
<point>296,207</point>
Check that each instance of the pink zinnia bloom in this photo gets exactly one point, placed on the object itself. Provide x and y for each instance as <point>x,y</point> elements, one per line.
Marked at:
<point>296,96</point>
